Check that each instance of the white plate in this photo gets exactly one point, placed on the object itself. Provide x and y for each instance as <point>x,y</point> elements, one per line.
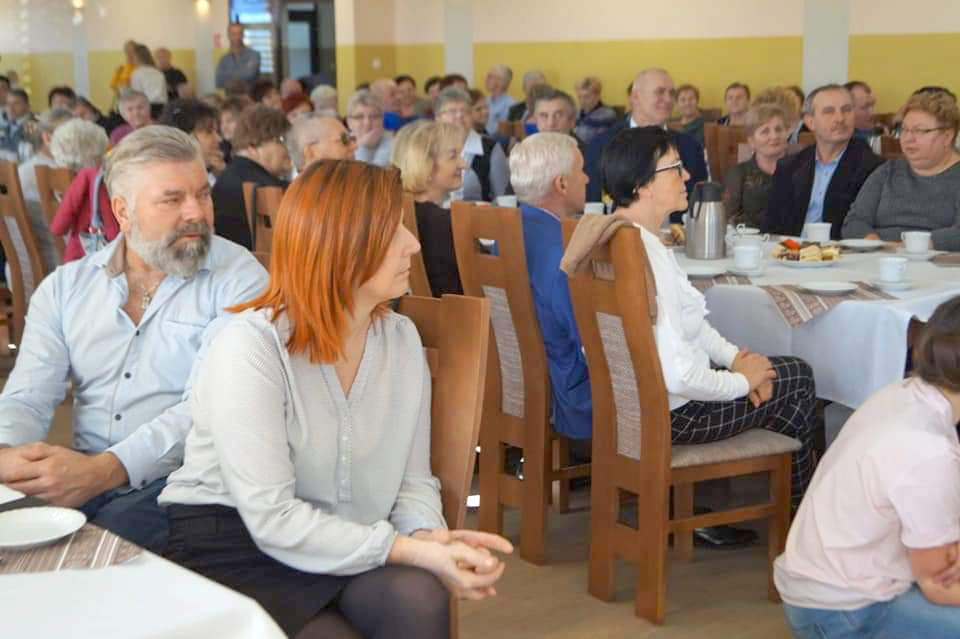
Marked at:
<point>798,264</point>
<point>750,272</point>
<point>829,287</point>
<point>918,257</point>
<point>862,245</point>
<point>31,527</point>
<point>902,285</point>
<point>704,270</point>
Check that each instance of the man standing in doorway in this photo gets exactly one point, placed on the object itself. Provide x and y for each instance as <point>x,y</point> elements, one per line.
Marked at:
<point>241,64</point>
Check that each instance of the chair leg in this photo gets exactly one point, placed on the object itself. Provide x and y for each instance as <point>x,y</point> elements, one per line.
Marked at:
<point>779,523</point>
<point>604,511</point>
<point>561,487</point>
<point>650,596</point>
<point>535,490</point>
<point>454,618</point>
<point>491,467</point>
<point>683,508</point>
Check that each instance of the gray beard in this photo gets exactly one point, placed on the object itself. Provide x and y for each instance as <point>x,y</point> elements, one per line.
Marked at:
<point>163,255</point>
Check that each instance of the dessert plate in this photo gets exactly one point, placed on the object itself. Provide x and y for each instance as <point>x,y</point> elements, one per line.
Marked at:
<point>31,527</point>
<point>828,287</point>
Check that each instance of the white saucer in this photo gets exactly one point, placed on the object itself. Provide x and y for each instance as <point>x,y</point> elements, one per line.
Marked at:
<point>902,285</point>
<point>828,287</point>
<point>918,257</point>
<point>752,272</point>
<point>704,270</point>
<point>31,527</point>
<point>798,264</point>
<point>862,244</point>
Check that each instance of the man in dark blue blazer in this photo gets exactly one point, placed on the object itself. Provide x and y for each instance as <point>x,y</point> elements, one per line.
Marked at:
<point>651,104</point>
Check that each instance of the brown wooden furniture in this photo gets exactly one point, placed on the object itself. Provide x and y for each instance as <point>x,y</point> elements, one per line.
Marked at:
<point>615,305</point>
<point>729,139</point>
<point>53,183</point>
<point>806,138</point>
<point>419,283</point>
<point>890,147</point>
<point>261,203</point>
<point>454,330</point>
<point>23,252</point>
<point>516,407</point>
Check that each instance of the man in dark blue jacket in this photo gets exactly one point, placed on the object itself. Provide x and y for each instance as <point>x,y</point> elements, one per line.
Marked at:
<point>651,104</point>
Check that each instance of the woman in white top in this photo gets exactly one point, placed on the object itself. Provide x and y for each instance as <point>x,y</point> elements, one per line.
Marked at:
<point>873,551</point>
<point>306,479</point>
<point>644,176</point>
<point>149,80</point>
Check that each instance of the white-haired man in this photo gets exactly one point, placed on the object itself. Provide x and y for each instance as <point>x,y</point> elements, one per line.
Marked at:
<point>124,325</point>
<point>316,137</point>
<point>546,170</point>
<point>498,100</point>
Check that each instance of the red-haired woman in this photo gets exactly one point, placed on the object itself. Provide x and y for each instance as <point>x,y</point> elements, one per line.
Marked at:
<point>306,481</point>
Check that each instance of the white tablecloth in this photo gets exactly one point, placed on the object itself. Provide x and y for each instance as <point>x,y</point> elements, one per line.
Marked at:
<point>855,348</point>
<point>146,598</point>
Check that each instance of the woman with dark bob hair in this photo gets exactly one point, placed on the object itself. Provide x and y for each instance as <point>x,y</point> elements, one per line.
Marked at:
<point>644,176</point>
<point>873,551</point>
<point>306,479</point>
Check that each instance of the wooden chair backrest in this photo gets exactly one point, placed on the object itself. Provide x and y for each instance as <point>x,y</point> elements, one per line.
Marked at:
<point>806,138</point>
<point>263,258</point>
<point>249,206</point>
<point>729,139</point>
<point>711,115</point>
<point>455,331</point>
<point>631,415</point>
<point>890,147</point>
<point>53,184</point>
<point>268,200</point>
<point>23,253</point>
<point>517,364</point>
<point>419,282</point>
<point>711,145</point>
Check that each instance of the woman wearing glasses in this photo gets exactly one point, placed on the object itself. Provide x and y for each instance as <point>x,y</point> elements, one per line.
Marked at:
<point>643,174</point>
<point>260,156</point>
<point>365,119</point>
<point>919,191</point>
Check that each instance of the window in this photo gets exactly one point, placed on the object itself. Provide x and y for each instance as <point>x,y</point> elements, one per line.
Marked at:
<point>258,34</point>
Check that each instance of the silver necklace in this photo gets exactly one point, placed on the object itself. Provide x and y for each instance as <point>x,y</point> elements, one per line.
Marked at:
<point>147,294</point>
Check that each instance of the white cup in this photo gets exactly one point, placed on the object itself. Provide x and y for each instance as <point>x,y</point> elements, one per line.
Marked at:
<point>916,241</point>
<point>817,231</point>
<point>746,257</point>
<point>593,208</point>
<point>893,269</point>
<point>507,201</point>
<point>751,240</point>
<point>743,229</point>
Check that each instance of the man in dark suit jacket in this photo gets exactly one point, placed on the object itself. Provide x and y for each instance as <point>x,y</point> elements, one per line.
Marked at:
<point>651,104</point>
<point>821,182</point>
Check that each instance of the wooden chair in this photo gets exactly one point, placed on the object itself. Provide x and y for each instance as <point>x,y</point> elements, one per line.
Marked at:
<point>53,184</point>
<point>615,305</point>
<point>516,408</point>
<point>729,139</point>
<point>806,138</point>
<point>419,283</point>
<point>263,258</point>
<point>454,330</point>
<point>261,203</point>
<point>711,145</point>
<point>890,147</point>
<point>23,252</point>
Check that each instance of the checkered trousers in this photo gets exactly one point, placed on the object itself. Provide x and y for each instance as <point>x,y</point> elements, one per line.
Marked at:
<point>790,411</point>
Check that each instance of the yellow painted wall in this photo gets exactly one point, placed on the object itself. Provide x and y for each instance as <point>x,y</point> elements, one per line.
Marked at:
<point>420,61</point>
<point>40,72</point>
<point>103,64</point>
<point>896,65</point>
<point>710,64</point>
<point>362,63</point>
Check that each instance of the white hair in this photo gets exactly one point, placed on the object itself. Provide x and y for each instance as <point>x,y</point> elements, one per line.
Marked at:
<point>537,161</point>
<point>324,96</point>
<point>78,144</point>
<point>150,144</point>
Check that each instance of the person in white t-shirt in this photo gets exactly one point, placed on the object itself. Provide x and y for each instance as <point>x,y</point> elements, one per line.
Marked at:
<point>873,551</point>
<point>643,174</point>
<point>149,80</point>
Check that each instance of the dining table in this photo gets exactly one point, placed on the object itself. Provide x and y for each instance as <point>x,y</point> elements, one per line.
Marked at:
<point>857,346</point>
<point>146,597</point>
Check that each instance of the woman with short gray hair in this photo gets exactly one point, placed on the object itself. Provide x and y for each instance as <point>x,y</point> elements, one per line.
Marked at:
<point>365,119</point>
<point>79,144</point>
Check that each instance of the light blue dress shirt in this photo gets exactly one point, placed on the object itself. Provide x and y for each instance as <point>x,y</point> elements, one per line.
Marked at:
<point>130,383</point>
<point>822,174</point>
<point>499,110</point>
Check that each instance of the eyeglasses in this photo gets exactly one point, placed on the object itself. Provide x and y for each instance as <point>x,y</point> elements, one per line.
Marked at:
<point>678,165</point>
<point>366,117</point>
<point>457,113</point>
<point>919,132</point>
<point>280,139</point>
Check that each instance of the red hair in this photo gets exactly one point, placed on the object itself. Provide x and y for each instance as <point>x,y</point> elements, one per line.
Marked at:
<point>330,234</point>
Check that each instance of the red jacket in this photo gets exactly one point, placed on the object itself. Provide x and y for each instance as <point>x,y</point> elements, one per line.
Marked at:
<point>73,214</point>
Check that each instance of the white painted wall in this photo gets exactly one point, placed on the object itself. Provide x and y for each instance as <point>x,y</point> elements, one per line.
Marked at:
<point>825,43</point>
<point>458,38</point>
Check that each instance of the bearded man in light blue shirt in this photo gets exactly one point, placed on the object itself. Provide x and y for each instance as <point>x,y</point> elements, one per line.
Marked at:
<point>124,326</point>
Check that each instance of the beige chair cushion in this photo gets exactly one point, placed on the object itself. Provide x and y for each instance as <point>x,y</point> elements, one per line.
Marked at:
<point>508,351</point>
<point>755,442</point>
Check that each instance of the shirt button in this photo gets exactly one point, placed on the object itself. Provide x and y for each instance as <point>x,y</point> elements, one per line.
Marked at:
<point>137,333</point>
<point>127,375</point>
<point>117,417</point>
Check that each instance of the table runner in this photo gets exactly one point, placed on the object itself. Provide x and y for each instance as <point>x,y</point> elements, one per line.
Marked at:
<point>704,283</point>
<point>89,547</point>
<point>798,306</point>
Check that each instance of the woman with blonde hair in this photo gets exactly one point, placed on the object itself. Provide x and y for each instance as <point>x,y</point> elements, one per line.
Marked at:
<point>919,190</point>
<point>747,185</point>
<point>306,480</point>
<point>429,156</point>
<point>786,98</point>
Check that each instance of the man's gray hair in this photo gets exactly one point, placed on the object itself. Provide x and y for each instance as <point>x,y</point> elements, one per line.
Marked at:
<point>504,72</point>
<point>808,103</point>
<point>451,94</point>
<point>364,98</point>
<point>150,144</point>
<point>324,97</point>
<point>537,161</point>
<point>298,133</point>
<point>556,94</point>
<point>79,144</point>
<point>533,76</point>
<point>129,95</point>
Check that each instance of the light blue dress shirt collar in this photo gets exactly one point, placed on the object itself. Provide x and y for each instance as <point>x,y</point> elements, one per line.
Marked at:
<point>822,175</point>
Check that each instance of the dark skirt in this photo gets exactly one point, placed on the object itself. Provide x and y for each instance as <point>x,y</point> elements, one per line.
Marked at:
<point>214,541</point>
